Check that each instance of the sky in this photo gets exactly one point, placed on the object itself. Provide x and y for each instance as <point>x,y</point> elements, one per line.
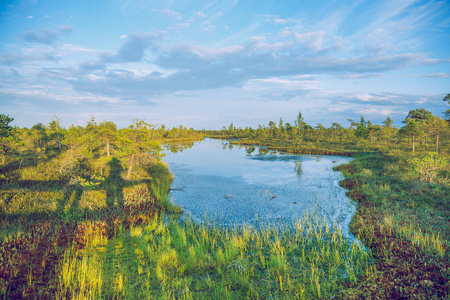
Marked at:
<point>206,64</point>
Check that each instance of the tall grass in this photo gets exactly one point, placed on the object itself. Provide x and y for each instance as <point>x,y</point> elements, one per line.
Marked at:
<point>185,260</point>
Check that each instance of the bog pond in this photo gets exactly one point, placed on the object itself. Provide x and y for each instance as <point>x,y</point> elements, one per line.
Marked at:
<point>225,184</point>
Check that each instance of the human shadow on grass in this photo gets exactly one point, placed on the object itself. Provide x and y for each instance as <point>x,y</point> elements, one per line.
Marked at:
<point>60,213</point>
<point>113,185</point>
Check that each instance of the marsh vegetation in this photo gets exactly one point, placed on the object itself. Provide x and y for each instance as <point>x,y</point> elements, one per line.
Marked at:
<point>85,214</point>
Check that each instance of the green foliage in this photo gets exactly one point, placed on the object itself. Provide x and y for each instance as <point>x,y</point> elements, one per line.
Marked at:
<point>447,98</point>
<point>362,131</point>
<point>185,260</point>
<point>106,237</point>
<point>419,114</point>
<point>5,128</point>
<point>8,139</point>
<point>428,167</point>
<point>135,144</point>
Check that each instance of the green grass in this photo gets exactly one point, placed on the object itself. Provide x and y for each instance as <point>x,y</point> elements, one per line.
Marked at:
<point>122,240</point>
<point>166,260</point>
<point>403,220</point>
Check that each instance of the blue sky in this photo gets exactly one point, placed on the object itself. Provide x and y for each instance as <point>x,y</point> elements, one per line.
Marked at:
<point>205,64</point>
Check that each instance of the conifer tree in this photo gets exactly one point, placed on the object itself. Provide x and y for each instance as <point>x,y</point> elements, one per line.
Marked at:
<point>8,141</point>
<point>136,145</point>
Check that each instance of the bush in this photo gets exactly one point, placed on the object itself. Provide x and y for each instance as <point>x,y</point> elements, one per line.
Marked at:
<point>428,167</point>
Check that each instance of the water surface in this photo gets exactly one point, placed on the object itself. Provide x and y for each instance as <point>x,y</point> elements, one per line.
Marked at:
<point>229,185</point>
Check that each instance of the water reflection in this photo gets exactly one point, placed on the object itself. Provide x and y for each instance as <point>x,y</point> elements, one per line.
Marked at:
<point>298,167</point>
<point>249,150</point>
<point>178,147</point>
<point>262,151</point>
<point>236,185</point>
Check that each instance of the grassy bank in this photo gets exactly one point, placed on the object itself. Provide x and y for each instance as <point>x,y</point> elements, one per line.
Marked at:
<point>404,221</point>
<point>43,214</point>
<point>104,238</point>
<point>406,224</point>
<point>172,261</point>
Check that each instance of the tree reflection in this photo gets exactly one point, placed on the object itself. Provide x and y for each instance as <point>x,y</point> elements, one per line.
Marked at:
<point>249,150</point>
<point>298,167</point>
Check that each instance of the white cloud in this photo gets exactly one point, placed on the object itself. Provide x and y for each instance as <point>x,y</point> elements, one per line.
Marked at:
<point>259,43</point>
<point>170,13</point>
<point>182,25</point>
<point>280,21</point>
<point>290,83</point>
<point>66,96</point>
<point>371,112</point>
<point>209,28</point>
<point>368,97</point>
<point>313,40</point>
<point>212,53</point>
<point>77,49</point>
<point>435,75</point>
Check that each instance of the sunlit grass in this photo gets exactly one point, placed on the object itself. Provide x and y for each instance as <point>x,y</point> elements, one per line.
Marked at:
<point>173,259</point>
<point>135,252</point>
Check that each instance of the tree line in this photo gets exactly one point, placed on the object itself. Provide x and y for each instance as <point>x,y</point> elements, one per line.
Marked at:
<point>419,126</point>
<point>94,144</point>
<point>139,143</point>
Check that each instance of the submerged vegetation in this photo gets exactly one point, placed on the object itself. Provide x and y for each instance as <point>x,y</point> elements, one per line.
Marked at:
<point>85,215</point>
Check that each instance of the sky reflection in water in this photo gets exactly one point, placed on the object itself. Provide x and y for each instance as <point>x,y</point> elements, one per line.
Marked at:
<point>227,185</point>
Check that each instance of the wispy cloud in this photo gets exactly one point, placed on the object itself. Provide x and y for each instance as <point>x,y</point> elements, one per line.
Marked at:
<point>38,53</point>
<point>196,67</point>
<point>329,60</point>
<point>168,13</point>
<point>45,35</point>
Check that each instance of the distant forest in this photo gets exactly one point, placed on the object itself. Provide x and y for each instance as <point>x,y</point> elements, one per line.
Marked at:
<point>421,131</point>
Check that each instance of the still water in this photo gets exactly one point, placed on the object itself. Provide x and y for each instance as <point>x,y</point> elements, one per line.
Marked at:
<point>219,183</point>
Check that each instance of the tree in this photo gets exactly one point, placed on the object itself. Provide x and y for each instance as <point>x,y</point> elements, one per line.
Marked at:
<point>273,128</point>
<point>361,129</point>
<point>306,128</point>
<point>386,129</point>
<point>300,123</point>
<point>372,128</point>
<point>281,128</point>
<point>388,122</point>
<point>353,123</point>
<point>336,127</point>
<point>8,141</point>
<point>320,129</point>
<point>231,128</point>
<point>411,129</point>
<point>419,114</point>
<point>107,132</point>
<point>40,138</point>
<point>77,150</point>
<point>447,112</point>
<point>261,132</point>
<point>288,129</point>
<point>54,127</point>
<point>415,122</point>
<point>135,143</point>
<point>436,126</point>
<point>447,98</point>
